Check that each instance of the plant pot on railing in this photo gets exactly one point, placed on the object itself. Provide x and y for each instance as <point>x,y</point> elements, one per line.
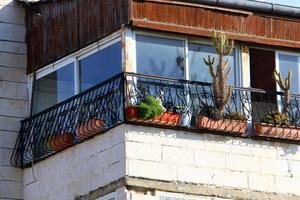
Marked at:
<point>132,113</point>
<point>89,128</point>
<point>61,141</point>
<point>235,123</point>
<point>150,110</point>
<point>276,125</point>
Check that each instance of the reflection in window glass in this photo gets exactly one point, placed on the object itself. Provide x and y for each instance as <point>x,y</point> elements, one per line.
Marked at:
<point>54,88</point>
<point>100,66</point>
<point>287,62</point>
<point>198,70</point>
<point>160,56</point>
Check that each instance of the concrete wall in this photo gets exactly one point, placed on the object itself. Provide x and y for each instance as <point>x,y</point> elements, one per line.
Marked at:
<point>13,93</point>
<point>79,169</point>
<point>167,155</point>
<point>214,160</point>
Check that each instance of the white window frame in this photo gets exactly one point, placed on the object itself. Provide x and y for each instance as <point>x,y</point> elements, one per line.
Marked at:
<point>180,195</point>
<point>73,58</point>
<point>186,40</point>
<point>278,67</point>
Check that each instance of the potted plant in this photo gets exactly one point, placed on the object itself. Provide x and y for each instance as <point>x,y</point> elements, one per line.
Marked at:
<point>209,117</point>
<point>151,110</point>
<point>132,112</point>
<point>60,141</point>
<point>214,117</point>
<point>277,124</point>
<point>89,128</point>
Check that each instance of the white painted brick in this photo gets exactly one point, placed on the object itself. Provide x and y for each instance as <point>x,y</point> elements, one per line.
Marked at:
<point>143,151</point>
<point>210,159</point>
<point>242,163</point>
<point>295,168</point>
<point>13,47</point>
<point>15,108</point>
<point>11,173</point>
<point>230,179</point>
<point>8,89</point>
<point>275,167</point>
<point>14,15</point>
<point>8,139</point>
<point>12,32</point>
<point>288,151</point>
<point>10,123</point>
<point>13,74</point>
<point>262,182</point>
<point>193,174</point>
<point>11,189</point>
<point>287,184</point>
<point>177,155</point>
<point>219,143</point>
<point>22,91</point>
<point>116,153</point>
<point>13,60</point>
<point>149,169</point>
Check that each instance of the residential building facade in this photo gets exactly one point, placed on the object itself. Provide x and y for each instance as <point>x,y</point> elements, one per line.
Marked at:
<point>118,100</point>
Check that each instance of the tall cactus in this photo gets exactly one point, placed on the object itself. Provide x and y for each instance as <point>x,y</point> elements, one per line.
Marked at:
<point>220,73</point>
<point>285,87</point>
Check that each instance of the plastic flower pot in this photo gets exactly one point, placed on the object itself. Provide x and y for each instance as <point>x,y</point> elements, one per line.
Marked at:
<point>166,118</point>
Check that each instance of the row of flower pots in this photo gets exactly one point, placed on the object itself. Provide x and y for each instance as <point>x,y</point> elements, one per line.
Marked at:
<point>83,131</point>
<point>233,126</point>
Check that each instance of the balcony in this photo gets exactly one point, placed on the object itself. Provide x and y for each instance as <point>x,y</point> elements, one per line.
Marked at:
<point>187,105</point>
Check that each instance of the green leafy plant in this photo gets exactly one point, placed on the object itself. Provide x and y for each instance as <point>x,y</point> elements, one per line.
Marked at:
<point>276,118</point>
<point>220,73</point>
<point>150,107</point>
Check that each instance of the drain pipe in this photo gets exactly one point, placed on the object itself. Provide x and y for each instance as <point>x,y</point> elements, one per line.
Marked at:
<point>253,6</point>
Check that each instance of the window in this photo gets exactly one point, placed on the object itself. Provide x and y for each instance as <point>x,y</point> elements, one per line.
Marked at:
<point>100,66</point>
<point>54,88</point>
<point>288,62</point>
<point>160,56</point>
<point>178,58</point>
<point>60,82</point>
<point>198,70</point>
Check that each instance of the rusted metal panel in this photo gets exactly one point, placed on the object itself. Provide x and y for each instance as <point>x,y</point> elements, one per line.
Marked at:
<point>67,25</point>
<point>193,19</point>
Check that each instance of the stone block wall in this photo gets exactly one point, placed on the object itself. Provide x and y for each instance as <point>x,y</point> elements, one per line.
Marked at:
<point>13,93</point>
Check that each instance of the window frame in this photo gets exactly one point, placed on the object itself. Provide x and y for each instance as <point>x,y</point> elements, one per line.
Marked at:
<point>73,58</point>
<point>108,196</point>
<point>277,67</point>
<point>186,40</point>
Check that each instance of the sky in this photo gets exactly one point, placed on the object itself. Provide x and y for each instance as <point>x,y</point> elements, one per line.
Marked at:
<point>285,2</point>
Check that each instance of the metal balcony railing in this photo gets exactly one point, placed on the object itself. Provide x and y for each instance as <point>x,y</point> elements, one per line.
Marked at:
<point>188,105</point>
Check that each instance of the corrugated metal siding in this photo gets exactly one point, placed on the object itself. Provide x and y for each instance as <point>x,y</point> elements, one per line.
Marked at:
<point>195,20</point>
<point>68,25</point>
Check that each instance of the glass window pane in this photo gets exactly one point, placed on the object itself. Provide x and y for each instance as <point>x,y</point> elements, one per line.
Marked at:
<point>160,56</point>
<point>100,66</point>
<point>54,88</point>
<point>287,62</point>
<point>198,70</point>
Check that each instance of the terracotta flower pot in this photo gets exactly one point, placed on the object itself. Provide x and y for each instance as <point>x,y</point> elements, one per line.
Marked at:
<point>166,118</point>
<point>132,113</point>
<point>228,125</point>
<point>61,141</point>
<point>89,128</point>
<point>269,130</point>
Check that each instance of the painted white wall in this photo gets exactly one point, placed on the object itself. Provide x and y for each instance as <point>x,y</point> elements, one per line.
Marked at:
<point>168,155</point>
<point>13,93</point>
<point>79,169</point>
<point>211,159</point>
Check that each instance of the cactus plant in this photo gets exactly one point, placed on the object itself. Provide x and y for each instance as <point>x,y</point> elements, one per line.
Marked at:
<point>285,87</point>
<point>220,73</point>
